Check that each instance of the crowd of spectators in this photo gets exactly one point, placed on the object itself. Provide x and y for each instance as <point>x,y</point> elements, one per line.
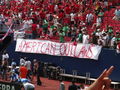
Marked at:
<point>26,71</point>
<point>68,20</point>
<point>23,73</point>
<point>71,20</point>
<point>25,68</point>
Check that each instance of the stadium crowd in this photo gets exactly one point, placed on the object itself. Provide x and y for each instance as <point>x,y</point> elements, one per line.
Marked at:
<point>78,21</point>
<point>28,73</point>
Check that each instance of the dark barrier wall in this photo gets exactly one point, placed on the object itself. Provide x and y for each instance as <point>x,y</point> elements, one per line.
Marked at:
<point>95,67</point>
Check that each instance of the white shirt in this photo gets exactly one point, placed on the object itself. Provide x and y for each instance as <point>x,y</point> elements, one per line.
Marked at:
<point>27,23</point>
<point>89,17</point>
<point>28,65</point>
<point>98,34</point>
<point>28,86</point>
<point>85,39</point>
<point>72,16</point>
<point>22,61</point>
<point>56,7</point>
<point>98,21</point>
<point>112,41</point>
<point>5,56</point>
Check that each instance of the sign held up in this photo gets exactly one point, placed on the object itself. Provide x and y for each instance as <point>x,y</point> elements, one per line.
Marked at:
<point>90,51</point>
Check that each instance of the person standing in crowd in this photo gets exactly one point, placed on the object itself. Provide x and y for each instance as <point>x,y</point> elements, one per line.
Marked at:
<point>4,69</point>
<point>23,71</point>
<point>34,30</point>
<point>117,14</point>
<point>73,35</point>
<point>22,60</point>
<point>62,86</point>
<point>62,35</point>
<point>39,70</point>
<point>13,73</point>
<point>23,78</point>
<point>1,22</point>
<point>28,65</point>
<point>72,86</point>
<point>79,37</point>
<point>5,56</point>
<point>89,18</point>
<point>85,38</point>
<point>35,66</point>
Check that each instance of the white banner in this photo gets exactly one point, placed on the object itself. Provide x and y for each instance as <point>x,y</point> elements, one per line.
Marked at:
<point>90,51</point>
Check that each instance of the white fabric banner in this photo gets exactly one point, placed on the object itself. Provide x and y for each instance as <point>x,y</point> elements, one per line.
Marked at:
<point>90,51</point>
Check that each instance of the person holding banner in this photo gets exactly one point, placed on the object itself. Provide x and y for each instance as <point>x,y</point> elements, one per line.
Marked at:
<point>62,35</point>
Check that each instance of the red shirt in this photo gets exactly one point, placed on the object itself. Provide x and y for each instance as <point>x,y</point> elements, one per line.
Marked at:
<point>34,27</point>
<point>23,72</point>
<point>67,10</point>
<point>42,14</point>
<point>66,20</point>
<point>51,8</point>
<point>61,15</point>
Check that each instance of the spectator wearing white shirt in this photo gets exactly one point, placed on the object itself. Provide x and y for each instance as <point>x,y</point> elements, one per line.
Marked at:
<point>86,38</point>
<point>5,56</point>
<point>28,66</point>
<point>62,85</point>
<point>22,61</point>
<point>104,36</point>
<point>27,24</point>
<point>117,14</point>
<point>89,18</point>
<point>72,15</point>
<point>112,44</point>
<point>98,21</point>
<point>98,32</point>
<point>1,22</point>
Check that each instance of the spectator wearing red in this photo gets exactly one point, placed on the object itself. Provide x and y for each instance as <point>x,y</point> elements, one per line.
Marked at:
<point>61,14</point>
<point>51,8</point>
<point>67,20</point>
<point>42,14</point>
<point>23,71</point>
<point>76,7</point>
<point>67,10</point>
<point>34,17</point>
<point>34,30</point>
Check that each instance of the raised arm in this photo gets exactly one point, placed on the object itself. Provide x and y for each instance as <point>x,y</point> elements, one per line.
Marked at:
<point>103,82</point>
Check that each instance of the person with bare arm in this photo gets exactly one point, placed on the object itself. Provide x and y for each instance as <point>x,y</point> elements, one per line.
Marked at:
<point>103,81</point>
